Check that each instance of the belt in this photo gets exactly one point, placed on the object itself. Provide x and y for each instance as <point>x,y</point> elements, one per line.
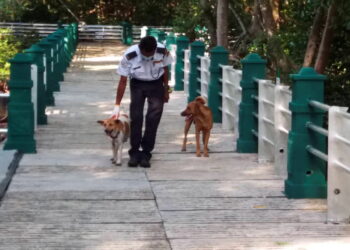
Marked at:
<point>146,81</point>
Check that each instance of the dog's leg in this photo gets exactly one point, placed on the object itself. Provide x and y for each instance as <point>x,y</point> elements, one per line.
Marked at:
<point>119,154</point>
<point>206,135</point>
<point>113,152</point>
<point>198,146</point>
<point>187,128</point>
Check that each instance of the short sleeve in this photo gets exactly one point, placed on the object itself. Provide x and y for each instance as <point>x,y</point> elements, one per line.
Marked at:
<point>124,67</point>
<point>168,59</point>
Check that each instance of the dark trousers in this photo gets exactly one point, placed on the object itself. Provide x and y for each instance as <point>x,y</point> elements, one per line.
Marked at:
<point>153,91</point>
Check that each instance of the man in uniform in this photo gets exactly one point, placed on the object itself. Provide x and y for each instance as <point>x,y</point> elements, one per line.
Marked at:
<point>147,66</point>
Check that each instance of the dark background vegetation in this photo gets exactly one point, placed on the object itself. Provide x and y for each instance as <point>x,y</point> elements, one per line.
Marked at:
<point>278,30</point>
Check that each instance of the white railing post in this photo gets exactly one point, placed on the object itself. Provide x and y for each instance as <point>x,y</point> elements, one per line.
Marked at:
<point>173,64</point>
<point>143,31</point>
<point>338,198</point>
<point>231,97</point>
<point>34,78</point>
<point>186,71</point>
<point>205,76</point>
<point>283,119</point>
<point>266,124</point>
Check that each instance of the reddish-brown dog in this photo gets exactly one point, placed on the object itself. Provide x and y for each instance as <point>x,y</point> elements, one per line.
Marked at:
<point>201,115</point>
<point>118,130</point>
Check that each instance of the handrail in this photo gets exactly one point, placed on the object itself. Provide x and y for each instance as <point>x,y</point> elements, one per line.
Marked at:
<point>317,129</point>
<point>317,153</point>
<point>319,105</point>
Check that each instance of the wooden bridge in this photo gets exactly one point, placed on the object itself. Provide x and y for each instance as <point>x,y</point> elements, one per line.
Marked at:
<point>70,196</point>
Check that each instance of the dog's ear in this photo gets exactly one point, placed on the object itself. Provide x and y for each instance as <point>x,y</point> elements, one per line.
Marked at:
<point>200,99</point>
<point>117,121</point>
<point>100,122</point>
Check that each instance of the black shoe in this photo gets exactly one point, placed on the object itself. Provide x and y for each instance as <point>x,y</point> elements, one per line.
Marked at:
<point>133,162</point>
<point>145,163</point>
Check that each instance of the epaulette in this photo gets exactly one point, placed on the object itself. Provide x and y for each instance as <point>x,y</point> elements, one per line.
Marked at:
<point>131,55</point>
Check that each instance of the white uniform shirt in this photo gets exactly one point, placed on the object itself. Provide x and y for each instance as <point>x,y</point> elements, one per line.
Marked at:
<point>141,69</point>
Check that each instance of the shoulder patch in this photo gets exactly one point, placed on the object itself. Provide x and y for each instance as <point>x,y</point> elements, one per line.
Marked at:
<point>131,55</point>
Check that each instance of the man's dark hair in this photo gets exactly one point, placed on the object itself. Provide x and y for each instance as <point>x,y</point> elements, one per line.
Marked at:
<point>148,44</point>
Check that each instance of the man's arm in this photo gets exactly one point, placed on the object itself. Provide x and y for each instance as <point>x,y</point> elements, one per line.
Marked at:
<point>121,90</point>
<point>166,83</point>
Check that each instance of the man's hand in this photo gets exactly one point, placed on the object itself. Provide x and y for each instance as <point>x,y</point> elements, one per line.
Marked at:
<point>115,112</point>
<point>167,91</point>
<point>166,97</point>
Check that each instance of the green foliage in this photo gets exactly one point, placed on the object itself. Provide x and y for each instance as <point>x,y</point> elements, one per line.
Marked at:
<point>188,19</point>
<point>10,45</point>
<point>8,48</point>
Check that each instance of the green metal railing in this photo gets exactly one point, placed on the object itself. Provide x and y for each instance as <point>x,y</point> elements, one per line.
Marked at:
<point>34,76</point>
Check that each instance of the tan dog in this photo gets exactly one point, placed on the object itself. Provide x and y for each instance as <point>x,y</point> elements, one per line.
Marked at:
<point>118,130</point>
<point>201,115</point>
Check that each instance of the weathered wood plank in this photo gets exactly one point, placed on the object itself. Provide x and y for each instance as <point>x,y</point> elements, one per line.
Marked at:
<point>89,216</point>
<point>255,230</point>
<point>76,182</point>
<point>244,216</point>
<point>80,205</point>
<point>9,232</point>
<point>229,166</point>
<point>281,203</point>
<point>209,189</point>
<point>127,193</point>
<point>304,243</point>
<point>95,244</point>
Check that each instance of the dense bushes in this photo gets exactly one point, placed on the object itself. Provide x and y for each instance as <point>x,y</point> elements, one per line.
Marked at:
<point>11,45</point>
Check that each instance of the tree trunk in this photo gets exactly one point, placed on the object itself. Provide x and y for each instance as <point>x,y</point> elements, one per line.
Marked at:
<point>209,21</point>
<point>221,23</point>
<point>314,38</point>
<point>276,8</point>
<point>266,12</point>
<point>327,36</point>
<point>256,26</point>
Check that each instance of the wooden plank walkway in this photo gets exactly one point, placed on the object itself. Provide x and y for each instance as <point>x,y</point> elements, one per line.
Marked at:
<point>69,195</point>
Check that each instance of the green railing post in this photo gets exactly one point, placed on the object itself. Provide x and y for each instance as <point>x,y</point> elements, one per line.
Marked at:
<point>72,41</point>
<point>67,47</point>
<point>305,171</point>
<point>54,54</point>
<point>197,49</point>
<point>64,49</point>
<point>155,33</point>
<point>60,53</point>
<point>75,30</point>
<point>170,39</point>
<point>161,36</point>
<point>148,31</point>
<point>20,107</point>
<point>37,55</point>
<point>47,46</point>
<point>182,43</point>
<point>218,55</point>
<point>253,67</point>
<point>129,38</point>
<point>127,33</point>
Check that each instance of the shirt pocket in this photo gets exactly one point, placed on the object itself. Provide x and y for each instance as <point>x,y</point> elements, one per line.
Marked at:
<point>138,71</point>
<point>157,67</point>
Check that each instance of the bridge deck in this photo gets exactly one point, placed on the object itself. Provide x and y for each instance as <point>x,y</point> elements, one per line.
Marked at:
<point>69,195</point>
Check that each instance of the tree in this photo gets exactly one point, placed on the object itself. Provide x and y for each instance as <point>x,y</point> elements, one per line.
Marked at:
<point>221,22</point>
<point>327,36</point>
<point>314,38</point>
